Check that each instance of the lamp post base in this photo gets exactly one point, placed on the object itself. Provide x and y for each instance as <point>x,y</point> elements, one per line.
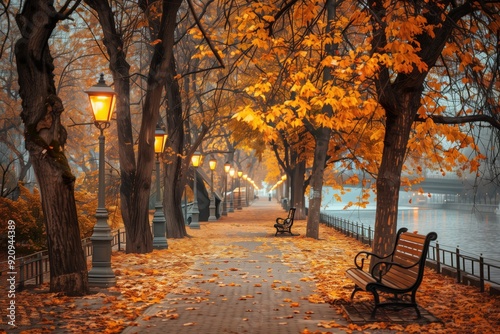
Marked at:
<point>194,224</point>
<point>101,277</point>
<point>159,229</point>
<point>212,216</point>
<point>195,217</point>
<point>101,274</point>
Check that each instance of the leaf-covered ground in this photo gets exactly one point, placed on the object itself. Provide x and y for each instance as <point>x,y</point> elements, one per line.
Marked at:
<point>144,280</point>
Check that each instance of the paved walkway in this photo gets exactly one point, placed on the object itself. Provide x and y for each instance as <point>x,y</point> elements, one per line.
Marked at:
<point>251,291</point>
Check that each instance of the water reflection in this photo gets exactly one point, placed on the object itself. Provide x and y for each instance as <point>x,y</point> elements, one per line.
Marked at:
<point>475,233</point>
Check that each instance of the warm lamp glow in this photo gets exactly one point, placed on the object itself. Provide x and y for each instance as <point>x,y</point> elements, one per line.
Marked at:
<point>240,173</point>
<point>102,99</point>
<point>196,159</point>
<point>160,140</point>
<point>283,177</point>
<point>245,176</point>
<point>212,163</point>
<point>231,171</point>
<point>227,167</point>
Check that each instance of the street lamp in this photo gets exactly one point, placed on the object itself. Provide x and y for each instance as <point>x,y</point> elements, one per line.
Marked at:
<point>227,167</point>
<point>240,174</point>
<point>248,190</point>
<point>286,192</point>
<point>245,177</point>
<point>159,222</point>
<point>195,212</point>
<point>231,204</point>
<point>102,99</point>
<point>212,163</point>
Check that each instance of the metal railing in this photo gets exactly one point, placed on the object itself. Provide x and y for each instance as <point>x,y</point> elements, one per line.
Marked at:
<point>32,268</point>
<point>467,268</point>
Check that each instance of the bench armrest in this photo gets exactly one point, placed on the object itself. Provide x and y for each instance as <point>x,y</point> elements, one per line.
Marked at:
<point>283,221</point>
<point>359,259</point>
<point>381,268</point>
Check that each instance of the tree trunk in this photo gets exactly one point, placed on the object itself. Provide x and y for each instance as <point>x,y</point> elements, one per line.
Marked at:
<point>401,99</point>
<point>136,179</point>
<point>175,174</point>
<point>297,198</point>
<point>139,239</point>
<point>44,139</point>
<point>121,73</point>
<point>322,137</point>
<point>398,127</point>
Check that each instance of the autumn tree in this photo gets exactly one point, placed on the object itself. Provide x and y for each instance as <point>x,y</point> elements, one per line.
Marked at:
<point>415,43</point>
<point>161,18</point>
<point>45,138</point>
<point>14,161</point>
<point>383,67</point>
<point>301,39</point>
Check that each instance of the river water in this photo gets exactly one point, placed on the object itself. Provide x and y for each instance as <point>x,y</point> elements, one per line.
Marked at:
<point>475,233</point>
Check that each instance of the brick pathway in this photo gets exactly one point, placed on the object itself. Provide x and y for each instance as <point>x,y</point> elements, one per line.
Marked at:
<point>252,291</point>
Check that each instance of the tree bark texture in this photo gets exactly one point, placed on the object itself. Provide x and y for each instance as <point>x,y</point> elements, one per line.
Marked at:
<point>44,139</point>
<point>398,126</point>
<point>297,199</point>
<point>322,137</point>
<point>120,69</point>
<point>175,170</point>
<point>136,178</point>
<point>401,99</point>
<point>139,238</point>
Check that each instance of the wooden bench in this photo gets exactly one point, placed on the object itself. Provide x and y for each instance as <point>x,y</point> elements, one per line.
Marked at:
<point>400,273</point>
<point>284,225</point>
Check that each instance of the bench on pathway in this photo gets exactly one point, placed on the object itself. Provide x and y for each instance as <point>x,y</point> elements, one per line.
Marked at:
<point>284,225</point>
<point>400,273</point>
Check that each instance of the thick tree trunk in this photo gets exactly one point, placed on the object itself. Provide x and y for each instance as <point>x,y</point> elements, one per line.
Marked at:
<point>121,74</point>
<point>45,138</point>
<point>139,238</point>
<point>175,174</point>
<point>322,137</point>
<point>398,127</point>
<point>136,179</point>
<point>297,198</point>
<point>401,99</point>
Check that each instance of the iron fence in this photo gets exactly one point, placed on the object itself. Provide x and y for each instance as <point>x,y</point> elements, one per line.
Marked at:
<point>466,268</point>
<point>33,268</point>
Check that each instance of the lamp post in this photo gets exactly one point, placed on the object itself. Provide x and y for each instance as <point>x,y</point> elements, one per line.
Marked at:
<point>240,174</point>
<point>245,177</point>
<point>159,222</point>
<point>250,196</point>
<point>212,163</point>
<point>227,167</point>
<point>195,212</point>
<point>102,100</point>
<point>286,192</point>
<point>231,204</point>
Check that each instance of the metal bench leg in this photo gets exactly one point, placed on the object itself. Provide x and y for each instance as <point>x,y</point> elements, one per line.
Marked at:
<point>356,289</point>
<point>377,303</point>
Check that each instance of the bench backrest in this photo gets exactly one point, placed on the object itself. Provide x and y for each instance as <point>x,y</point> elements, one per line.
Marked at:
<point>409,251</point>
<point>291,213</point>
